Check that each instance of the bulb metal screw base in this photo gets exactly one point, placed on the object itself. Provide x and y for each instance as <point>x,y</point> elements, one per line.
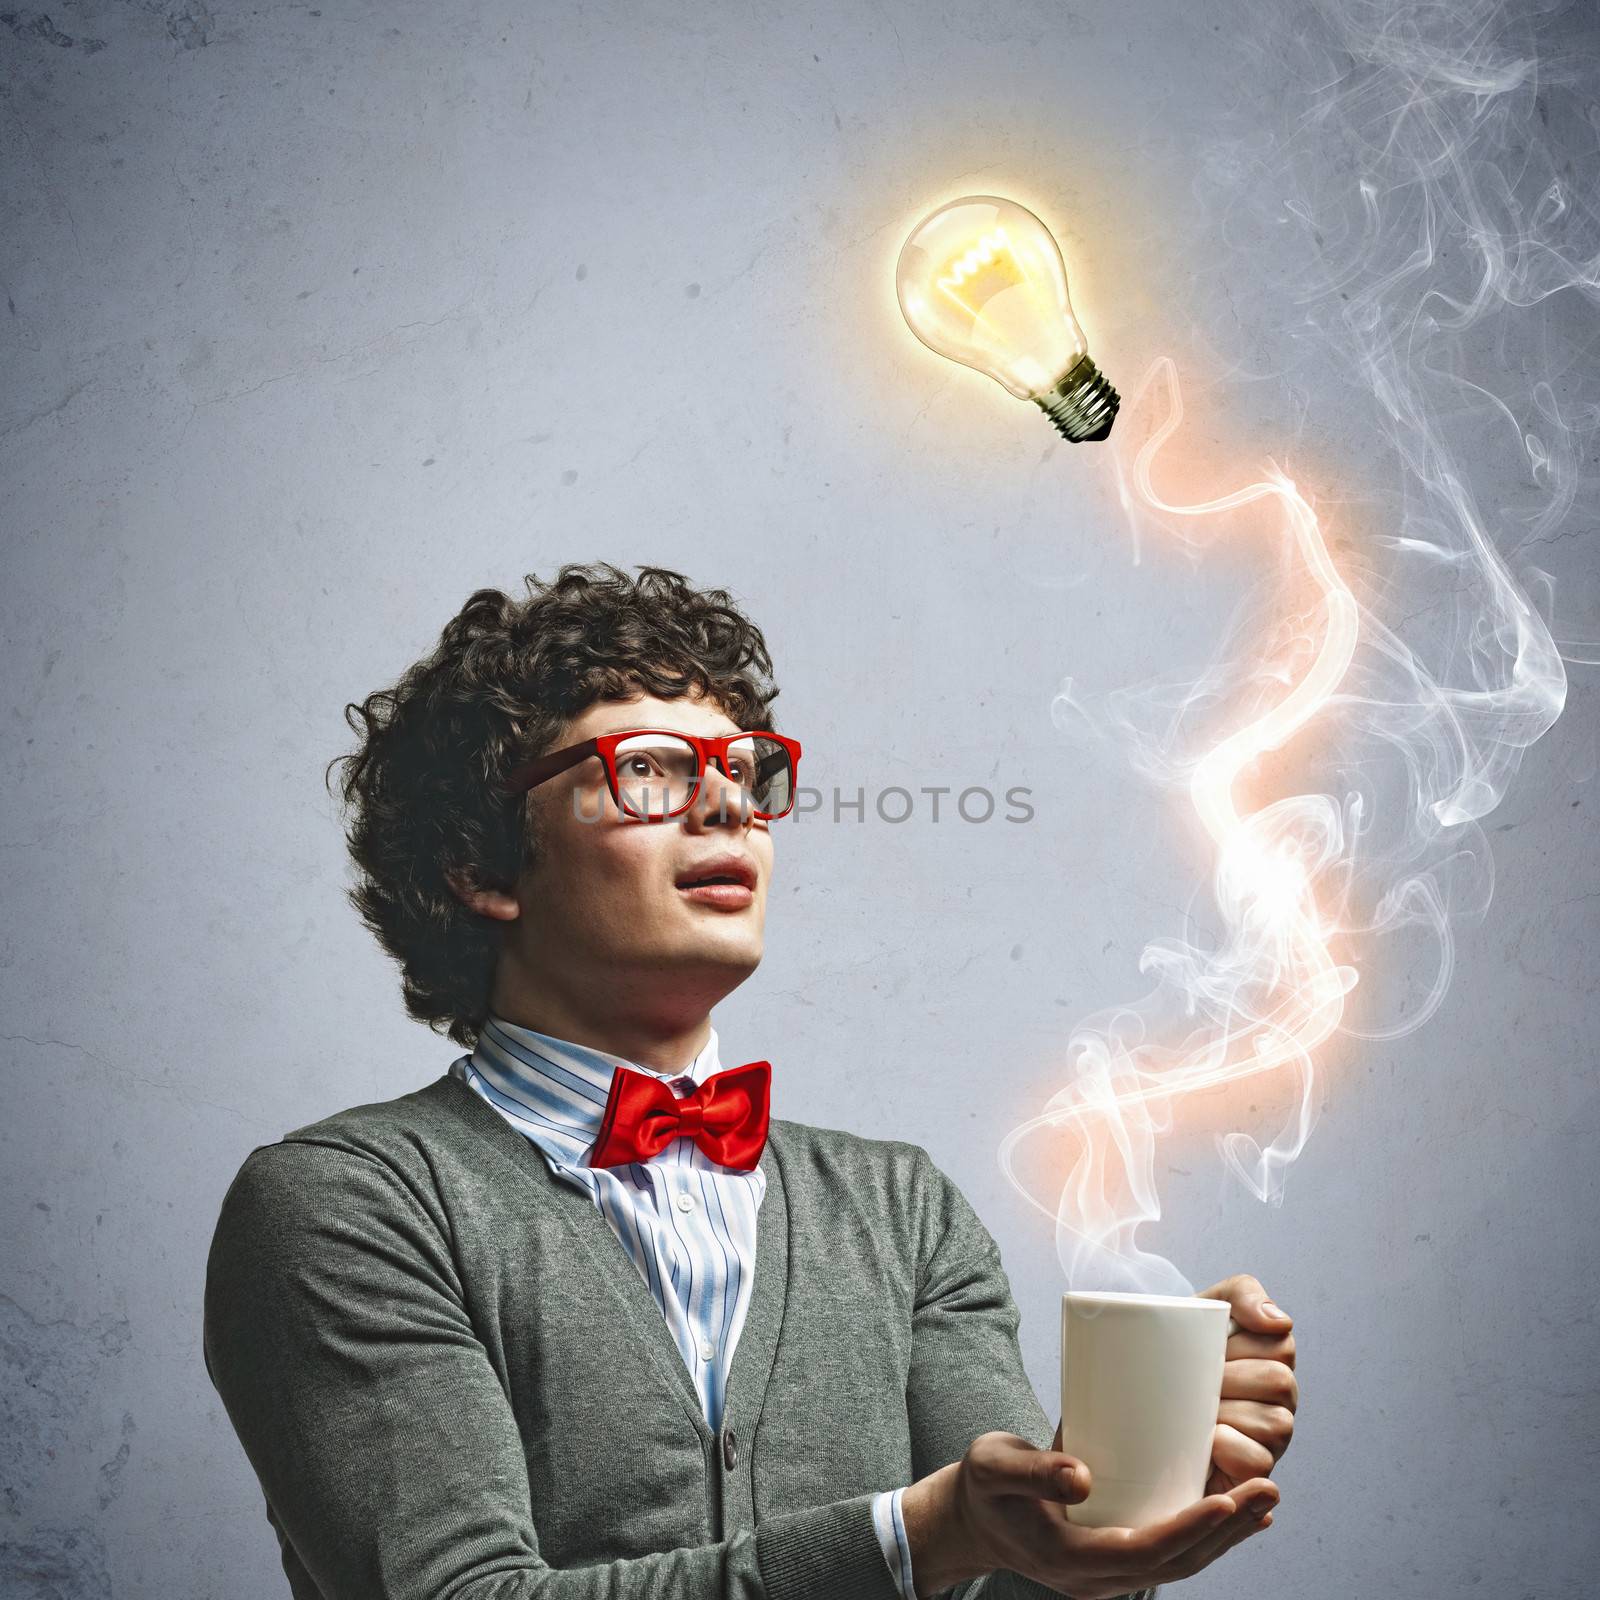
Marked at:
<point>1082,404</point>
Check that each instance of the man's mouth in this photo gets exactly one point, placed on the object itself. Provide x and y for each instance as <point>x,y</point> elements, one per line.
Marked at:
<point>720,869</point>
<point>725,882</point>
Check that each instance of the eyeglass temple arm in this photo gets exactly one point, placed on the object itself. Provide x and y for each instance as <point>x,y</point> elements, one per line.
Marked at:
<point>547,766</point>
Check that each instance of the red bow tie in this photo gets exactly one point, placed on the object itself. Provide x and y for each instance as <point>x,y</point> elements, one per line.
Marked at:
<point>726,1116</point>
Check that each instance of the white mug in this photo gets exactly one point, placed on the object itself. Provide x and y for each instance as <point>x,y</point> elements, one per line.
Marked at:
<point>1141,1379</point>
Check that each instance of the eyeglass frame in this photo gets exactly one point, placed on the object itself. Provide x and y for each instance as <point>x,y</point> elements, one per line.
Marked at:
<point>707,748</point>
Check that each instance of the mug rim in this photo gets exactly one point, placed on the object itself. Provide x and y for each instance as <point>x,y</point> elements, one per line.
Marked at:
<point>1130,1297</point>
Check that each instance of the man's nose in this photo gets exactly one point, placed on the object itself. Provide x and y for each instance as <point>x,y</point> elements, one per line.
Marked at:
<point>720,799</point>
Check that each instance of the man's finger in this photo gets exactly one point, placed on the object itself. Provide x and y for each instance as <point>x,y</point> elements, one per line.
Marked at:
<point>1235,1531</point>
<point>1270,1382</point>
<point>1054,1475</point>
<point>1122,1549</point>
<point>1240,1455</point>
<point>1272,1426</point>
<point>1246,1343</point>
<point>1251,1307</point>
<point>1007,1463</point>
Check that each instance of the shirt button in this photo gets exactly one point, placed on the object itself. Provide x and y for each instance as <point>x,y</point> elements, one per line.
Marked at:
<point>730,1449</point>
<point>707,1349</point>
<point>686,1202</point>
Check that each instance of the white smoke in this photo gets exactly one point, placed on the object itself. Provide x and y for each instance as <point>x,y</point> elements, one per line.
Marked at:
<point>1438,190</point>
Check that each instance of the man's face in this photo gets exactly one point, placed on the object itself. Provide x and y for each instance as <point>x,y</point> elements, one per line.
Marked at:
<point>602,902</point>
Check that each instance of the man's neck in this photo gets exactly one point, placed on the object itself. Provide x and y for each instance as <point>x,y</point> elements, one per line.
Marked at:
<point>664,1044</point>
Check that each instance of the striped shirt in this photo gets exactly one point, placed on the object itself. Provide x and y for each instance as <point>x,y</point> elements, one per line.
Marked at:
<point>687,1222</point>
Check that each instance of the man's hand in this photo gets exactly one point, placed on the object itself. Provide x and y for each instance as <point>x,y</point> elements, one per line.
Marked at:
<point>1004,1505</point>
<point>1255,1417</point>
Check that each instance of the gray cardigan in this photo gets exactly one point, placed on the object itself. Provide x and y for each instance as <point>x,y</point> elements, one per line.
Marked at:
<point>453,1384</point>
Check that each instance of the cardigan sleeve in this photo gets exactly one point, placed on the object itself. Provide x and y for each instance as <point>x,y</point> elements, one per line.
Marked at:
<point>966,1375</point>
<point>337,1335</point>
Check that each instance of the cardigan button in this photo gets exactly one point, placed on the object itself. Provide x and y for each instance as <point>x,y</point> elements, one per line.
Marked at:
<point>730,1448</point>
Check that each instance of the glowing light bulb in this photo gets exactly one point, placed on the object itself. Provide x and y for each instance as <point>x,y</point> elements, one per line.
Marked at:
<point>981,281</point>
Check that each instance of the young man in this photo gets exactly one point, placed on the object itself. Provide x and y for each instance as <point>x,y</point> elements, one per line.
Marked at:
<point>577,1320</point>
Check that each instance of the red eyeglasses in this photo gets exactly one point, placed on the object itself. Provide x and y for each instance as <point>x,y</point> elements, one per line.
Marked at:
<point>655,773</point>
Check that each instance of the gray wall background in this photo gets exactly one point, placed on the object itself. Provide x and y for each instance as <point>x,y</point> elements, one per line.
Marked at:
<point>319,318</point>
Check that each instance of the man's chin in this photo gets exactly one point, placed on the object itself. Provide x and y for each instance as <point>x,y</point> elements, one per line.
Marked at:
<point>735,951</point>
<point>732,949</point>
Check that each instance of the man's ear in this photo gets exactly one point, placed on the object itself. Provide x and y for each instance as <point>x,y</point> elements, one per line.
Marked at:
<point>495,903</point>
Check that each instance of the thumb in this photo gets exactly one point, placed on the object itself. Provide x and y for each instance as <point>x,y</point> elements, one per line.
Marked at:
<point>1072,1473</point>
<point>1072,1478</point>
<point>1055,1475</point>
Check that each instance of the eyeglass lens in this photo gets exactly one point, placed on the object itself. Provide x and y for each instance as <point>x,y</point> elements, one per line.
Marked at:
<point>656,773</point>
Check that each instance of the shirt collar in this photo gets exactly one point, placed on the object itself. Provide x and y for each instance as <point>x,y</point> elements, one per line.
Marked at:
<point>555,1090</point>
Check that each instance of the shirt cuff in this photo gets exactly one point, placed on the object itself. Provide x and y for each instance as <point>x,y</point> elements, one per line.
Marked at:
<point>891,1530</point>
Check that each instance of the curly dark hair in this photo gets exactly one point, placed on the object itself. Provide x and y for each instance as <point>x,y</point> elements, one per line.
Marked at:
<point>505,679</point>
